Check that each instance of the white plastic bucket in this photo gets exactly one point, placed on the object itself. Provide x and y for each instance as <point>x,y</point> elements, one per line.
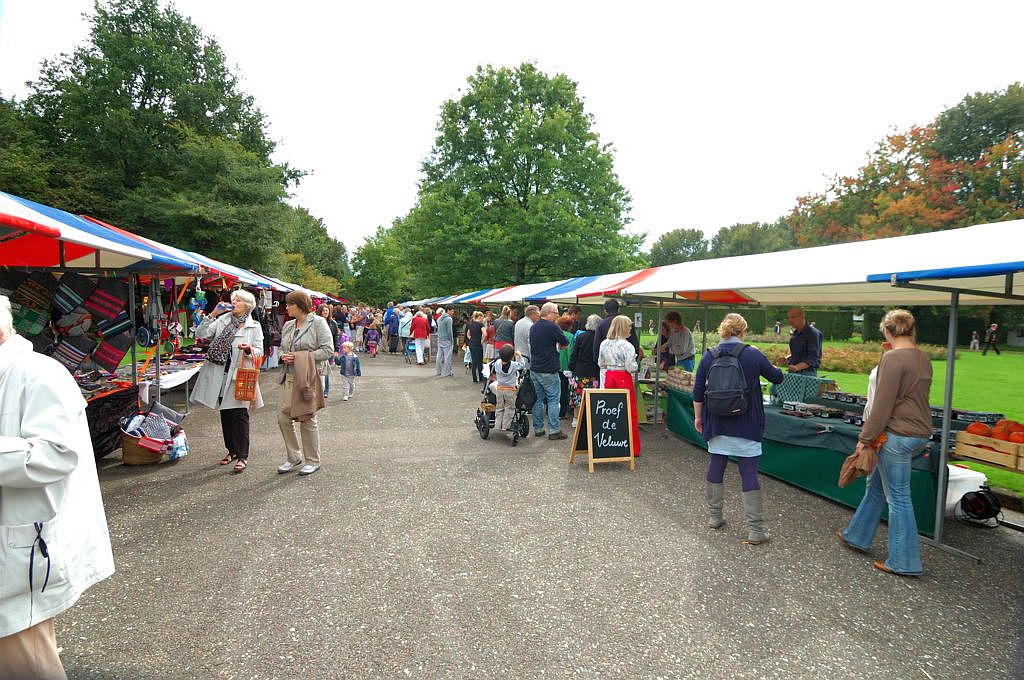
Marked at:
<point>961,480</point>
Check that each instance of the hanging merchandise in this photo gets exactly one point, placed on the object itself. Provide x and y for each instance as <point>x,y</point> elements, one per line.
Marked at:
<point>72,351</point>
<point>109,298</point>
<point>72,292</point>
<point>112,350</point>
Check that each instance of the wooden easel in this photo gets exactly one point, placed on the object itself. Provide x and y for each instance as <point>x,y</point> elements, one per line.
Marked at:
<point>583,436</point>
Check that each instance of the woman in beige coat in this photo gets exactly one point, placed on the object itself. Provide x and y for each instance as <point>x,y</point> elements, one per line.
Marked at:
<point>304,332</point>
<point>232,333</point>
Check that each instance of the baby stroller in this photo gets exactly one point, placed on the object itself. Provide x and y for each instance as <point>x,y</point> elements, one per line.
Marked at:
<point>410,351</point>
<point>520,426</point>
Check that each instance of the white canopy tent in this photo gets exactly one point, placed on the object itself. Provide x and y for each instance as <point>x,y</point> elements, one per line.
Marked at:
<point>519,293</point>
<point>838,274</point>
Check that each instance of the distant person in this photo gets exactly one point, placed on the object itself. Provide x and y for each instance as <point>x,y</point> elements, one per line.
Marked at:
<point>420,329</point>
<point>475,344</point>
<point>445,345</point>
<point>574,314</point>
<point>778,328</point>
<point>546,338</point>
<point>990,339</point>
<point>611,310</point>
<point>50,503</point>
<point>504,329</point>
<point>680,342</point>
<point>350,369</point>
<point>738,436</point>
<point>585,372</point>
<point>804,346</point>
<point>900,411</point>
<point>504,375</point>
<point>975,341</point>
<point>522,332</point>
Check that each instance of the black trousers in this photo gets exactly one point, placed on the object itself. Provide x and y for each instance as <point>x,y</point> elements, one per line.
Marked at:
<point>235,423</point>
<point>990,346</point>
<point>563,403</point>
<point>476,355</point>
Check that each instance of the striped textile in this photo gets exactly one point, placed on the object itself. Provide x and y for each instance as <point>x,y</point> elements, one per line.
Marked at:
<point>108,299</point>
<point>36,291</point>
<point>72,351</point>
<point>72,291</point>
<point>112,350</point>
<point>78,322</point>
<point>119,324</point>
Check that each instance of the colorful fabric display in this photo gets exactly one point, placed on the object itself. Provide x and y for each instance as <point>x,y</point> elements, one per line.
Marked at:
<point>29,321</point>
<point>72,291</point>
<point>112,350</point>
<point>109,298</point>
<point>78,322</point>
<point>119,324</point>
<point>72,351</point>
<point>36,291</point>
<point>155,427</point>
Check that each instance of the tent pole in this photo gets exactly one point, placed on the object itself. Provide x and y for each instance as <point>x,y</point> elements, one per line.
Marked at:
<point>704,332</point>
<point>657,363</point>
<point>947,417</point>
<point>154,305</point>
<point>132,282</point>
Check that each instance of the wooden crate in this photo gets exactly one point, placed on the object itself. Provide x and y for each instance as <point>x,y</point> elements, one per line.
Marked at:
<point>1005,454</point>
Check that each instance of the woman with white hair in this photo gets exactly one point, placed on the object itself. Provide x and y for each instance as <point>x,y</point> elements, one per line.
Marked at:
<point>232,333</point>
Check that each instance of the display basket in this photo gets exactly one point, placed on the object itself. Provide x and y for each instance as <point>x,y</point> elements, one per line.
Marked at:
<point>133,453</point>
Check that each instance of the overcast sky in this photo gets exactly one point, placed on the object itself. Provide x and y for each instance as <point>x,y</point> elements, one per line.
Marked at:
<point>718,113</point>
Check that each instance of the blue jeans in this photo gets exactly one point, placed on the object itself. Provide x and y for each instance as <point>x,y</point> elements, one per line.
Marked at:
<point>549,389</point>
<point>686,364</point>
<point>890,482</point>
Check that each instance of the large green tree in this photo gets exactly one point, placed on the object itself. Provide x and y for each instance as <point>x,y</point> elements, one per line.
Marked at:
<point>679,245</point>
<point>518,188</point>
<point>379,274</point>
<point>145,126</point>
<point>752,238</point>
<point>966,131</point>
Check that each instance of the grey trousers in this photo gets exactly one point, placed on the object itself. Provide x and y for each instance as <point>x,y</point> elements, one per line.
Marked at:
<point>443,358</point>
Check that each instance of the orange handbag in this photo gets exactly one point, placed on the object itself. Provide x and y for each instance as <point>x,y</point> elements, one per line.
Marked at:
<point>247,379</point>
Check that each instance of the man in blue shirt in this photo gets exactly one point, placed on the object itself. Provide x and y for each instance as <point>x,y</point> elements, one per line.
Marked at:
<point>804,345</point>
<point>546,338</point>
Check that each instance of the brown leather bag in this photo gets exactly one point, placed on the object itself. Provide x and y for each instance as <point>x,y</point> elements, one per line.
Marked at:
<point>860,463</point>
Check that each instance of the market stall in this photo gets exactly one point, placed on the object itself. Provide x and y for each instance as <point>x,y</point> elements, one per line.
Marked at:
<point>961,266</point>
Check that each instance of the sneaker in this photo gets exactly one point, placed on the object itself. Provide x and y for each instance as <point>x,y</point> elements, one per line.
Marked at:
<point>574,423</point>
<point>557,435</point>
<point>538,433</point>
<point>308,469</point>
<point>288,467</point>
<point>344,398</point>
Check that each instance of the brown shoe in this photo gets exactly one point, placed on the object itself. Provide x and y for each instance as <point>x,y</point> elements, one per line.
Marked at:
<point>843,542</point>
<point>880,566</point>
<point>558,435</point>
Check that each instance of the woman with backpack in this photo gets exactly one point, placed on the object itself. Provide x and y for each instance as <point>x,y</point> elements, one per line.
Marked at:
<point>729,414</point>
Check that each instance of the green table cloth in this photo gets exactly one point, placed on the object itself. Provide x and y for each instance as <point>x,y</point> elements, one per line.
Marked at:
<point>809,452</point>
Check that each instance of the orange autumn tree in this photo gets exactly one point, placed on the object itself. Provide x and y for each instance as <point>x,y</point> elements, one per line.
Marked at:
<point>966,167</point>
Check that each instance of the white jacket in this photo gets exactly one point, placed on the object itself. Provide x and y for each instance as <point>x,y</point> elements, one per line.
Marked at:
<point>214,382</point>
<point>47,480</point>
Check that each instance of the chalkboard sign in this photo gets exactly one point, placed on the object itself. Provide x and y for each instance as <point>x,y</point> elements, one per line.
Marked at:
<point>604,430</point>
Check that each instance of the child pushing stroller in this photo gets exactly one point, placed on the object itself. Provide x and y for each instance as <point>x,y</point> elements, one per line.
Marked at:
<point>505,406</point>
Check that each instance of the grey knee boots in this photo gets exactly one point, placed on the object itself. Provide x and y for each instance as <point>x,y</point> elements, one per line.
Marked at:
<point>716,501</point>
<point>753,507</point>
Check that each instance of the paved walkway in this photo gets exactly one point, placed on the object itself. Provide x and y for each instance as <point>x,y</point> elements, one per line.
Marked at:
<point>421,551</point>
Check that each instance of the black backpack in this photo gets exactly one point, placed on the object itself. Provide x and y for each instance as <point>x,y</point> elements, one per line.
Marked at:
<point>726,392</point>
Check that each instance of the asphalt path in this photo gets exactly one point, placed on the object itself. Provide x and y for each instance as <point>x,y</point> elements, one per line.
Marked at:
<point>421,551</point>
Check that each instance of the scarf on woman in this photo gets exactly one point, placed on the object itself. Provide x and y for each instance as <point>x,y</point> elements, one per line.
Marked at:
<point>219,351</point>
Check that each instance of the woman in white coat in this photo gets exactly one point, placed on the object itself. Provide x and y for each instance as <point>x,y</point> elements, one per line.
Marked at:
<point>232,332</point>
<point>54,542</point>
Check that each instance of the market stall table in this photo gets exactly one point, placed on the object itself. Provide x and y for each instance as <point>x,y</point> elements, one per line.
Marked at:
<point>104,413</point>
<point>808,452</point>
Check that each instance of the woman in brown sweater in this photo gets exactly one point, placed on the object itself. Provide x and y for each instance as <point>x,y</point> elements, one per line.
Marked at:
<point>900,412</point>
